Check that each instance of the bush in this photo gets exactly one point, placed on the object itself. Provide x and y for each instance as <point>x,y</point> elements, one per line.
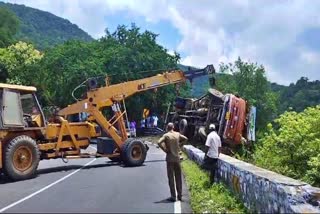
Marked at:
<point>291,146</point>
<point>206,198</point>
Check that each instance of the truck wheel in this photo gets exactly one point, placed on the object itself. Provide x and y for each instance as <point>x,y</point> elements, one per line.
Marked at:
<point>21,158</point>
<point>183,126</point>
<point>134,152</point>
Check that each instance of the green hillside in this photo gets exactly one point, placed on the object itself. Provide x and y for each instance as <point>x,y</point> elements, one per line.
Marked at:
<point>44,29</point>
<point>298,96</point>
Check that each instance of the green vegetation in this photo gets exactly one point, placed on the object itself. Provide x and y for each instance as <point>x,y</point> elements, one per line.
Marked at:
<point>248,80</point>
<point>292,146</point>
<point>41,28</point>
<point>8,27</point>
<point>298,96</point>
<point>122,55</point>
<point>17,63</point>
<point>206,198</point>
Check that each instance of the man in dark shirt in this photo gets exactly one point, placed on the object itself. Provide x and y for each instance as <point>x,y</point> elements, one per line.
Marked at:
<point>169,143</point>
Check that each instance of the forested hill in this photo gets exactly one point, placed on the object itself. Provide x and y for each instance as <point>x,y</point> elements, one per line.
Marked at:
<point>44,29</point>
<point>298,96</point>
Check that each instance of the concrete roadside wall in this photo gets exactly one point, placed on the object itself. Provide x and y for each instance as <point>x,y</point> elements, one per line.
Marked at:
<point>262,190</point>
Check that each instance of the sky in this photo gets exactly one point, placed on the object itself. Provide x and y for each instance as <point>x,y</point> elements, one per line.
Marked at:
<point>283,35</point>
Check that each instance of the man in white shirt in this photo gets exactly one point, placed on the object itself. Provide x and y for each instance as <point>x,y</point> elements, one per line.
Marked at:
<point>155,121</point>
<point>213,144</point>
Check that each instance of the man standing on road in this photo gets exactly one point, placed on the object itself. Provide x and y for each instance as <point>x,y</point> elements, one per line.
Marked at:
<point>169,143</point>
<point>213,144</point>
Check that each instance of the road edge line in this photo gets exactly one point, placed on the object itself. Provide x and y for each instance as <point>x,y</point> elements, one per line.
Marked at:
<point>44,188</point>
<point>177,207</point>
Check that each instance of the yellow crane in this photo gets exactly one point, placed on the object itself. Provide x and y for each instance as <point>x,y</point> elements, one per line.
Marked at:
<point>26,137</point>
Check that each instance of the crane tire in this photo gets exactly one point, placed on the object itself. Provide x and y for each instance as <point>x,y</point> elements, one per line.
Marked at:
<point>21,158</point>
<point>134,152</point>
<point>183,126</point>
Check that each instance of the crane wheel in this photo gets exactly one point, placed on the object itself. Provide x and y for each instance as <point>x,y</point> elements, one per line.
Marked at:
<point>134,152</point>
<point>21,158</point>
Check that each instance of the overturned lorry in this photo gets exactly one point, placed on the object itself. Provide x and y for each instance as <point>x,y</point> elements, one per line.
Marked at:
<point>233,117</point>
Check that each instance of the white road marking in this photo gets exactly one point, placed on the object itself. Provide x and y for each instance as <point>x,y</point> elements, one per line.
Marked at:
<point>45,188</point>
<point>177,207</point>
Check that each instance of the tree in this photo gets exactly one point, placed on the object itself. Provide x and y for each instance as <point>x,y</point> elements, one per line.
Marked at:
<point>248,80</point>
<point>123,55</point>
<point>63,68</point>
<point>17,63</point>
<point>137,55</point>
<point>9,26</point>
<point>291,146</point>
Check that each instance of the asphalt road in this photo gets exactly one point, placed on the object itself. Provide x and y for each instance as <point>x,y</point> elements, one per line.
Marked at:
<point>93,185</point>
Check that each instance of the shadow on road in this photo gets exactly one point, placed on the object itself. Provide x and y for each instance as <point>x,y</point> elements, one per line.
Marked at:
<point>164,201</point>
<point>153,161</point>
<point>4,179</point>
<point>74,167</point>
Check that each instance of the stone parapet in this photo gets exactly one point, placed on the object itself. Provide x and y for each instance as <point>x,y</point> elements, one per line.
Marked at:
<point>262,190</point>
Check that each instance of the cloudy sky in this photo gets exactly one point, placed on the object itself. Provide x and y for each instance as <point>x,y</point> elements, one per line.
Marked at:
<point>281,35</point>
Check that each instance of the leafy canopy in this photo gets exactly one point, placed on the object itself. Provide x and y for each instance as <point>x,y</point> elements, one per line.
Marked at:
<point>17,63</point>
<point>248,80</point>
<point>292,146</point>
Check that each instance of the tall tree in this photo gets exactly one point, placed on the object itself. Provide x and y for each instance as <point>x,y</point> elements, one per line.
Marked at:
<point>248,80</point>
<point>125,54</point>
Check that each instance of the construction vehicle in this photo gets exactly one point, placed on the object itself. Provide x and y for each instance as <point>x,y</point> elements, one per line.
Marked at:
<point>26,137</point>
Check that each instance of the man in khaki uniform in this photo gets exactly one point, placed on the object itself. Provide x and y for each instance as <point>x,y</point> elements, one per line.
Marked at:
<point>169,143</point>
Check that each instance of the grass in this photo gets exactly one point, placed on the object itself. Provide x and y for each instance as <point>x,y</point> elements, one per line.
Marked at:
<point>206,198</point>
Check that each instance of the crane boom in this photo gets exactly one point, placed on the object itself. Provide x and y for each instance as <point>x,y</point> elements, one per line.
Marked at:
<point>112,95</point>
<point>107,95</point>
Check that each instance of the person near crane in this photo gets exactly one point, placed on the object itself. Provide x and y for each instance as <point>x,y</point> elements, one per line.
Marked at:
<point>169,143</point>
<point>213,144</point>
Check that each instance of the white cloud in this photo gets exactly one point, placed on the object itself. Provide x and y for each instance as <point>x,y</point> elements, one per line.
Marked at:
<point>263,31</point>
<point>310,57</point>
<point>171,52</point>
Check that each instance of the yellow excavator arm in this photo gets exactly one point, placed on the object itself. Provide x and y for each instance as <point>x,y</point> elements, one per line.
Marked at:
<point>107,95</point>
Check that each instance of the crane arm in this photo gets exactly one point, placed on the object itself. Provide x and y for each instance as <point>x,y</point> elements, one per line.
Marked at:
<point>107,95</point>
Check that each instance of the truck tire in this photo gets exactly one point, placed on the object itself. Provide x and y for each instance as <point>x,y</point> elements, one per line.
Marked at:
<point>183,126</point>
<point>21,158</point>
<point>134,152</point>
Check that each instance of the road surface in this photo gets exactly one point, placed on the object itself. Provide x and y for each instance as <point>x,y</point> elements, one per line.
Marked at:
<point>93,185</point>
